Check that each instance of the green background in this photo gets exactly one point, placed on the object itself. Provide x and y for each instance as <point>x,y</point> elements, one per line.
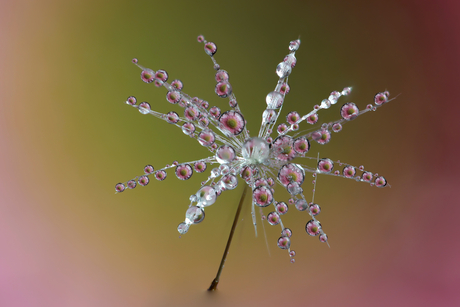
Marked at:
<point>67,138</point>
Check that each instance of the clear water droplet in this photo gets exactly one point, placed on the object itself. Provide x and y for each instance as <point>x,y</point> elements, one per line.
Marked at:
<point>206,196</point>
<point>284,242</point>
<point>283,70</point>
<point>194,215</point>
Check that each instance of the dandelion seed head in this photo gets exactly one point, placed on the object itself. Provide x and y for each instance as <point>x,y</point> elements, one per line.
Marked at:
<point>264,162</point>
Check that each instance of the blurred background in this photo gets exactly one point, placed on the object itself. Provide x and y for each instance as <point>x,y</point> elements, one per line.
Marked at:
<point>66,138</point>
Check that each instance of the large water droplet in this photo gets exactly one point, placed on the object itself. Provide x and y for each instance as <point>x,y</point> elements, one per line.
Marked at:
<point>255,150</point>
<point>183,228</point>
<point>225,154</point>
<point>206,196</point>
<point>283,70</point>
<point>274,100</point>
<point>194,215</point>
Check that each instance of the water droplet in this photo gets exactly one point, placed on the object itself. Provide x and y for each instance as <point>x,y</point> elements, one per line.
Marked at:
<point>323,238</point>
<point>221,75</point>
<point>380,181</point>
<point>312,119</point>
<point>325,104</point>
<point>148,169</point>
<point>188,128</point>
<point>270,181</point>
<point>274,100</point>
<point>301,145</point>
<point>283,146</point>
<point>286,232</point>
<point>283,70</point>
<point>290,60</point>
<point>291,253</point>
<point>225,154</point>
<point>161,76</point>
<point>134,60</point>
<point>349,111</point>
<point>292,117</point>
<point>160,175</point>
<point>184,171</point>
<point>269,116</point>
<point>314,209</point>
<point>143,180</point>
<point>334,96</point>
<point>210,48</point>
<point>301,205</point>
<point>284,242</point>
<point>294,45</point>
<point>148,75</point>
<point>183,228</point>
<point>325,165</point>
<point>262,196</point>
<point>294,188</point>
<point>131,100</point>
<point>273,218</point>
<point>194,215</point>
<point>322,136</point>
<point>206,196</point>
<point>291,173</point>
<point>229,182</point>
<point>380,98</point>
<point>255,150</point>
<point>367,176</point>
<point>132,184</point>
<point>177,85</point>
<point>346,91</point>
<point>215,112</point>
<point>313,228</point>
<point>144,107</point>
<point>292,260</point>
<point>349,171</point>
<point>281,128</point>
<point>232,122</point>
<point>206,138</point>
<point>200,38</point>
<point>281,207</point>
<point>173,97</point>
<point>191,113</point>
<point>233,103</point>
<point>223,89</point>
<point>200,166</point>
<point>119,187</point>
<point>285,89</point>
<point>337,127</point>
<point>172,117</point>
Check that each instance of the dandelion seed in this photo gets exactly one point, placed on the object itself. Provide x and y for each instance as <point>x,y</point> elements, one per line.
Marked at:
<point>260,160</point>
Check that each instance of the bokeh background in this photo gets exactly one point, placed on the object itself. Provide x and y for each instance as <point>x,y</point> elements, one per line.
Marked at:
<point>67,137</point>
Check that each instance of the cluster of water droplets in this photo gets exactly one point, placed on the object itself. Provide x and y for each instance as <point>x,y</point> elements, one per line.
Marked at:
<point>260,161</point>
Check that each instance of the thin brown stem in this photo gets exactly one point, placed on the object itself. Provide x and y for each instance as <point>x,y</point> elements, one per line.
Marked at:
<point>215,282</point>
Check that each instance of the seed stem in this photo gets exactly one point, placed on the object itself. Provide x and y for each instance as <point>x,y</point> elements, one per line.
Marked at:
<point>215,282</point>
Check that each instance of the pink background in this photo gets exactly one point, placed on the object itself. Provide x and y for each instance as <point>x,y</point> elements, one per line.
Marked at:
<point>66,138</point>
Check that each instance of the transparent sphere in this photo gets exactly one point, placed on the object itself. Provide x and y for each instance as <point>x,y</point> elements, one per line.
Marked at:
<point>283,70</point>
<point>255,150</point>
<point>194,215</point>
<point>183,228</point>
<point>205,196</point>
<point>274,100</point>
